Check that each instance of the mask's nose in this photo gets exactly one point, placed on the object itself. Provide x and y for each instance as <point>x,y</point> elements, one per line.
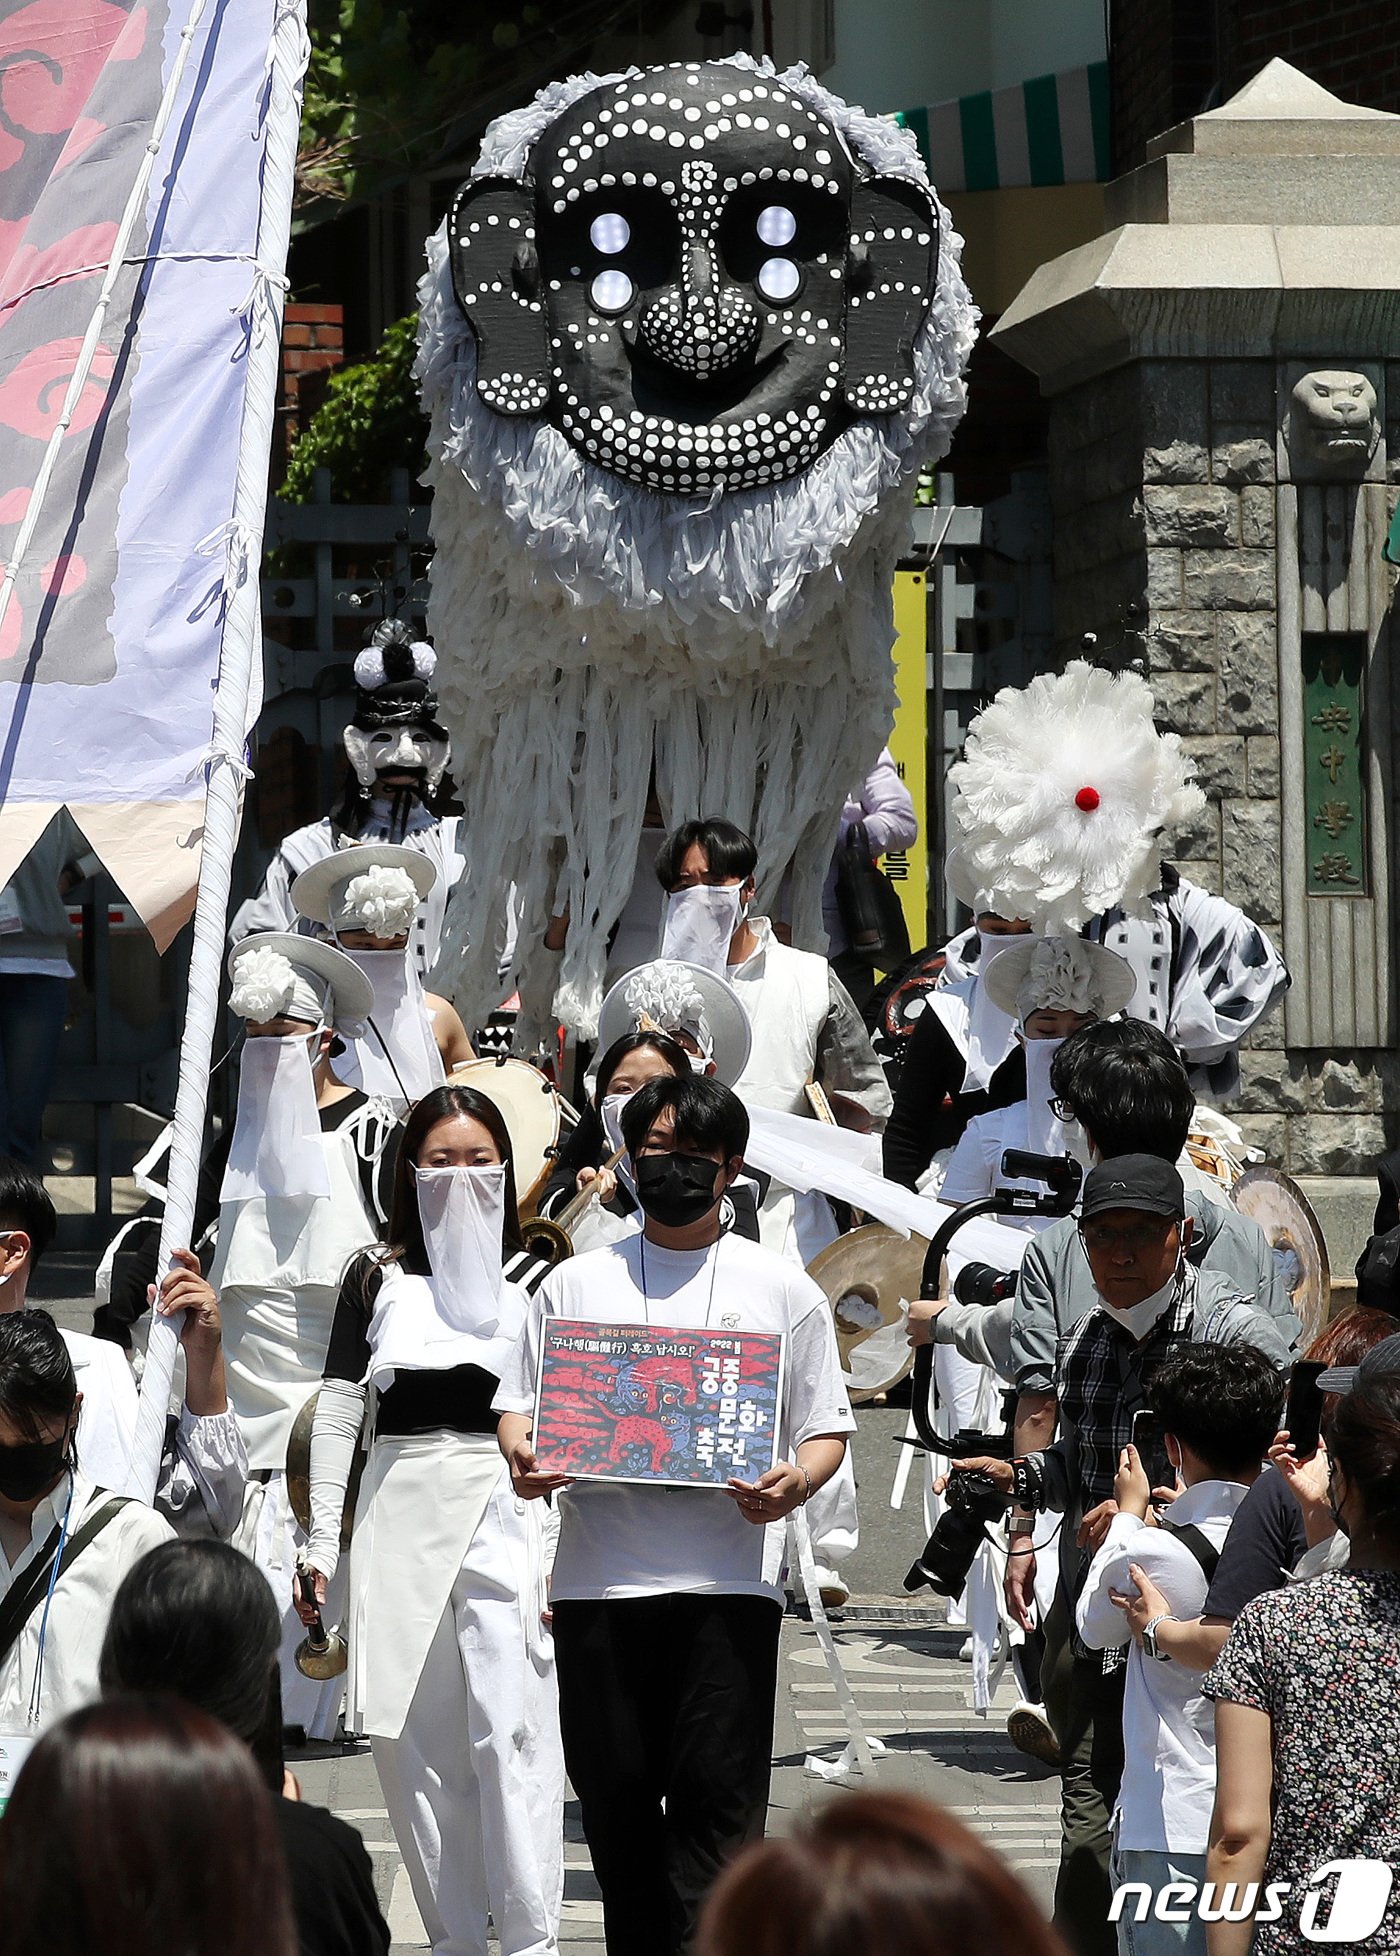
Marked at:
<point>702,327</point>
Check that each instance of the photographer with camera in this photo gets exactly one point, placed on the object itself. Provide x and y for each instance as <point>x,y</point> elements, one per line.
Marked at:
<point>1048,987</point>
<point>1135,1235</point>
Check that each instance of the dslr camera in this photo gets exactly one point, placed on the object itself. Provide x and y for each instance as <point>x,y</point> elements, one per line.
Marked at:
<point>973,1500</point>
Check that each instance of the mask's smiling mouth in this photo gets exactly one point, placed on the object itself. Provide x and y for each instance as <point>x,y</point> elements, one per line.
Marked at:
<point>654,386</point>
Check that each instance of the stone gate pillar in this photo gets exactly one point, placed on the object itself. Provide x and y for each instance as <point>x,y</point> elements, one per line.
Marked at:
<point>1224,428</point>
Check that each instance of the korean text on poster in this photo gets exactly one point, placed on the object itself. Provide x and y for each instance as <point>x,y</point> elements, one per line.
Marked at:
<point>666,1407</point>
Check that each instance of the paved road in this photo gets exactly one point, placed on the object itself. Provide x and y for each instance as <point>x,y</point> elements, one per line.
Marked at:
<point>911,1690</point>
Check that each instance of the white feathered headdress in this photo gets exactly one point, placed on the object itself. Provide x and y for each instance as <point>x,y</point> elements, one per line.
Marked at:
<point>1063,794</point>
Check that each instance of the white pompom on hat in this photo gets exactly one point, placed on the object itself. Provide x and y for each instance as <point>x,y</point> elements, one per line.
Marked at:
<point>1063,794</point>
<point>374,886</point>
<point>1059,974</point>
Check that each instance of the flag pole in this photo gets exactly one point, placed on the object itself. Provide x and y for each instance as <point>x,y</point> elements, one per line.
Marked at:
<point>235,705</point>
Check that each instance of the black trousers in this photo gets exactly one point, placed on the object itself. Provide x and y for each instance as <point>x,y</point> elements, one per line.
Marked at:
<point>1086,1709</point>
<point>666,1706</point>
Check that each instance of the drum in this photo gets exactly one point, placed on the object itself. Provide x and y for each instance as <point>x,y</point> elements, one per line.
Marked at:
<point>867,1274</point>
<point>1287,1218</point>
<point>532,1112</point>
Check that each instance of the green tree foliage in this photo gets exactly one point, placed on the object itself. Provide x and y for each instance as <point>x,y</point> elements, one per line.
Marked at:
<point>392,89</point>
<point>368,425</point>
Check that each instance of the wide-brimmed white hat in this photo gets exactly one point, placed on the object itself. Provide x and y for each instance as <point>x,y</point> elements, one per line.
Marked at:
<point>671,995</point>
<point>320,892</point>
<point>1072,974</point>
<point>336,980</point>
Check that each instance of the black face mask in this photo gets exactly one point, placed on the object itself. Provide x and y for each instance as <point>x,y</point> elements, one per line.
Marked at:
<point>675,1190</point>
<point>26,1470</point>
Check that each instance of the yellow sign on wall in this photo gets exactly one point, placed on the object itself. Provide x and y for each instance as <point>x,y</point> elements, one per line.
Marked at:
<point>907,869</point>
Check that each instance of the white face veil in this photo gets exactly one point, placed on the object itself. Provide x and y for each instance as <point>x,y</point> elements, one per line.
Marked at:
<point>1046,1133</point>
<point>699,924</point>
<point>276,1151</point>
<point>991,1033</point>
<point>462,1210</point>
<point>396,1055</point>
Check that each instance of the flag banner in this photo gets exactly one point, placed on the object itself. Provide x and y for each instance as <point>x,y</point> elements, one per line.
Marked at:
<point>111,636</point>
<point>669,1408</point>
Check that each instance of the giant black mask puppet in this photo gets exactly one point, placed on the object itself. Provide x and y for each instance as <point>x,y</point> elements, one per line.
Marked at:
<point>695,280</point>
<point>687,337</point>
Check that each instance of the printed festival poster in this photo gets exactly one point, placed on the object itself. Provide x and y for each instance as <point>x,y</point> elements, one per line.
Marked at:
<point>664,1407</point>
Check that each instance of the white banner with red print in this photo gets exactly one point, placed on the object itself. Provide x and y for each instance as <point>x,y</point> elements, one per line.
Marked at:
<point>111,636</point>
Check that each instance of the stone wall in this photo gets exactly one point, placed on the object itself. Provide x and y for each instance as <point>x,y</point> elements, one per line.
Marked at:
<point>1162,483</point>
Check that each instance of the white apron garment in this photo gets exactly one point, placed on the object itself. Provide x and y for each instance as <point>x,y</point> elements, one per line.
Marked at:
<point>421,1502</point>
<point>397,1053</point>
<point>787,995</point>
<point>474,1782</point>
<point>268,1534</point>
<point>277,1269</point>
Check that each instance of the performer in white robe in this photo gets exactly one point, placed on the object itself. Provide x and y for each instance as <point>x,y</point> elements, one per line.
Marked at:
<point>369,899</point>
<point>297,1203</point>
<point>398,752</point>
<point>451,1660</point>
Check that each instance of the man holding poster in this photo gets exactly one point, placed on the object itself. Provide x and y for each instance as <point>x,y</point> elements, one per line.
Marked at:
<point>667,1598</point>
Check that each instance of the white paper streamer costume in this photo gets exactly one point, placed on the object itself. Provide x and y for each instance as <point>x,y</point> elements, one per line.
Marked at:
<point>712,586</point>
<point>1064,793</point>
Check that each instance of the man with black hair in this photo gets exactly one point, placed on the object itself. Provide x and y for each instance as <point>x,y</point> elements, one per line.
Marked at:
<point>806,1033</point>
<point>398,752</point>
<point>667,1601</point>
<point>1218,1407</point>
<point>65,1543</point>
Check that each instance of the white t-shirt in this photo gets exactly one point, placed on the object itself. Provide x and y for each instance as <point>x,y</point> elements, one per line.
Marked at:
<point>619,1540</point>
<point>1168,1786</point>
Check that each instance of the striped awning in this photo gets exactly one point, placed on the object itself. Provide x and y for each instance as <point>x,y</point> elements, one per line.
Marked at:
<point>1053,129</point>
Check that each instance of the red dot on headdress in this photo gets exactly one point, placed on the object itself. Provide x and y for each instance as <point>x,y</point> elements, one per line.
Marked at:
<point>1087,799</point>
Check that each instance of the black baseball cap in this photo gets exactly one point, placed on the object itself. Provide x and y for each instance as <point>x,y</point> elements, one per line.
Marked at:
<point>1134,1182</point>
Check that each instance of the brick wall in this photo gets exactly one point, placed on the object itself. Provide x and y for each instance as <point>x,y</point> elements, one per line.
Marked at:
<point>1169,59</point>
<point>313,346</point>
